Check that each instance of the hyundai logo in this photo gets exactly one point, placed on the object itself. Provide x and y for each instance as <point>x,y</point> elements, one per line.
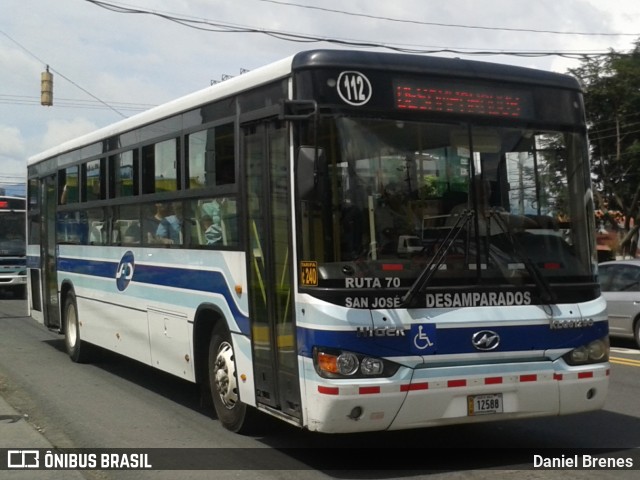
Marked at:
<point>485,340</point>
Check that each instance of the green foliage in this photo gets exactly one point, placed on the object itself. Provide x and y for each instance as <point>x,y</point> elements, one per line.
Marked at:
<point>430,187</point>
<point>612,102</point>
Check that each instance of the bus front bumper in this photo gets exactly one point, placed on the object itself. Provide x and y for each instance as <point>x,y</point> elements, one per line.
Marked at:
<point>444,396</point>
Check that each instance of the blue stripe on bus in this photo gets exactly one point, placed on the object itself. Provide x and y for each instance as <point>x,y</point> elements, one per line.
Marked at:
<point>95,268</point>
<point>174,277</point>
<point>451,341</point>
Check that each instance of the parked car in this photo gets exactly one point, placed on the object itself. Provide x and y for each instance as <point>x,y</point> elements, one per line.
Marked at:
<point>620,284</point>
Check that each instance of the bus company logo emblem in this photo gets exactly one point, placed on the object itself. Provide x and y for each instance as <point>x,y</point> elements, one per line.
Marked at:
<point>485,340</point>
<point>354,88</point>
<point>124,273</point>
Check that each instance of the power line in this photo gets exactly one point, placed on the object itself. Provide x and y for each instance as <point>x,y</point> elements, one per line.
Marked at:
<point>8,99</point>
<point>614,128</point>
<point>446,25</point>
<point>222,27</point>
<point>622,134</point>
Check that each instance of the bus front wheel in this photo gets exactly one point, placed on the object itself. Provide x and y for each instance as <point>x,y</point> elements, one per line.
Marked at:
<point>78,351</point>
<point>223,381</point>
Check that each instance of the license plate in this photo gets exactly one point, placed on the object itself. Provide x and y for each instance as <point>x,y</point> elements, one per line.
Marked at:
<point>484,404</point>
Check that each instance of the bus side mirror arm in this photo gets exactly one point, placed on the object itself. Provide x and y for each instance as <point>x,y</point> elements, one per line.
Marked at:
<point>297,109</point>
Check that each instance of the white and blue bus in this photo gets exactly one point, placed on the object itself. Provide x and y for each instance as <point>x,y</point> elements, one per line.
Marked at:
<point>13,257</point>
<point>349,241</point>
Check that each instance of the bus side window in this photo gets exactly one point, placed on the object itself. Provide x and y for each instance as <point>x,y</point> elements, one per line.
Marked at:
<point>214,222</point>
<point>229,222</point>
<point>211,157</point>
<point>96,233</point>
<point>209,222</point>
<point>97,227</point>
<point>170,230</point>
<point>68,180</point>
<point>72,227</point>
<point>126,225</point>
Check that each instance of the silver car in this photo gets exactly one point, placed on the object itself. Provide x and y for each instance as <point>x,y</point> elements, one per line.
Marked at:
<point>620,284</point>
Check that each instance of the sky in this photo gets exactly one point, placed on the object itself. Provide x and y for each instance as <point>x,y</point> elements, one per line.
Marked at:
<point>108,65</point>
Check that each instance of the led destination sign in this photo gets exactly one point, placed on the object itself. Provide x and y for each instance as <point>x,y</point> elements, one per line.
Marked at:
<point>462,98</point>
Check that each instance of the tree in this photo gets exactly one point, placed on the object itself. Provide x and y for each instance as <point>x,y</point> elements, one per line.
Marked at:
<point>612,102</point>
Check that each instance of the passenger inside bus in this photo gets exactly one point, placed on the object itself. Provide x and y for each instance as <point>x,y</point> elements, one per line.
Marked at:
<point>169,229</point>
<point>151,220</point>
<point>212,231</point>
<point>132,230</point>
<point>220,212</point>
<point>64,195</point>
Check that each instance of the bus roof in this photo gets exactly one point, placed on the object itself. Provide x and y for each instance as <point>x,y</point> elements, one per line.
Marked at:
<point>322,58</point>
<point>440,66</point>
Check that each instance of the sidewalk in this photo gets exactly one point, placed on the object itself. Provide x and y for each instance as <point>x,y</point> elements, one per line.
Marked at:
<point>17,433</point>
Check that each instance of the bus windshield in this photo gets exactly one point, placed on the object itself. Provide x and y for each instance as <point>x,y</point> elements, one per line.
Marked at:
<point>474,205</point>
<point>12,228</point>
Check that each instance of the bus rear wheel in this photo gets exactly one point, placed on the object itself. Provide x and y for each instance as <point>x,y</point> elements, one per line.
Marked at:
<point>233,414</point>
<point>78,350</point>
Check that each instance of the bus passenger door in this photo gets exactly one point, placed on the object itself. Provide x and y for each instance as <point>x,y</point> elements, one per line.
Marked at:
<point>48,256</point>
<point>269,229</point>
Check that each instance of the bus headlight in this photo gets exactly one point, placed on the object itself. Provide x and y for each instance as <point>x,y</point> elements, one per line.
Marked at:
<point>371,366</point>
<point>594,352</point>
<point>347,363</point>
<point>334,363</point>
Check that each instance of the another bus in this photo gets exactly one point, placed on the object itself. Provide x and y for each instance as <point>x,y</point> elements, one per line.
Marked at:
<point>13,256</point>
<point>349,241</point>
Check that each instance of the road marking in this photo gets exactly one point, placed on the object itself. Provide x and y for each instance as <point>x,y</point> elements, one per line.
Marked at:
<point>625,361</point>
<point>628,351</point>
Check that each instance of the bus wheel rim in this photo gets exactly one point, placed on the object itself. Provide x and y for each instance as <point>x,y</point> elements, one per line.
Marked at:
<point>225,376</point>
<point>72,332</point>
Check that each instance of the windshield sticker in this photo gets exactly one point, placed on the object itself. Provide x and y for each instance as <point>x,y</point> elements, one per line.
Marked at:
<point>477,299</point>
<point>354,88</point>
<point>309,274</point>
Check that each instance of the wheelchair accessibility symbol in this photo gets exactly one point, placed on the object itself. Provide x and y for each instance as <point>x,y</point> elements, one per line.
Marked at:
<point>422,339</point>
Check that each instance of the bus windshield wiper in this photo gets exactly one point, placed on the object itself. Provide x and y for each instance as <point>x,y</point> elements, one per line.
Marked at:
<point>438,258</point>
<point>546,293</point>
